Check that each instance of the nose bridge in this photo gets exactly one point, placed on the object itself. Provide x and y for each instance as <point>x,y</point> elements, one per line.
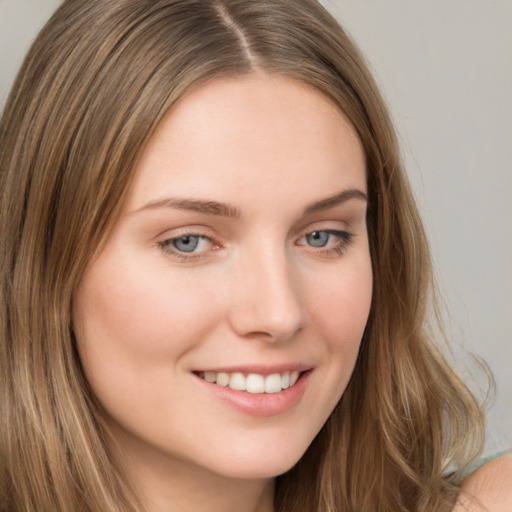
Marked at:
<point>266,298</point>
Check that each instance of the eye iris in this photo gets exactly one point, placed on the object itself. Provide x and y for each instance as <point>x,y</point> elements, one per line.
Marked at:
<point>186,243</point>
<point>318,238</point>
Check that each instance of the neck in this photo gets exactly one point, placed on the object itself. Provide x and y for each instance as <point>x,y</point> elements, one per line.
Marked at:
<point>200,492</point>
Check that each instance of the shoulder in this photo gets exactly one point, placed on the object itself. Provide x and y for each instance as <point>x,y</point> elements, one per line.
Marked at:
<point>488,489</point>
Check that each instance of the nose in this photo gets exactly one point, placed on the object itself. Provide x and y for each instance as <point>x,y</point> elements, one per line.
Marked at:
<point>266,297</point>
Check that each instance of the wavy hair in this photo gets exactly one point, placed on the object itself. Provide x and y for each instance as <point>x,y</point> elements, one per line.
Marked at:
<point>91,91</point>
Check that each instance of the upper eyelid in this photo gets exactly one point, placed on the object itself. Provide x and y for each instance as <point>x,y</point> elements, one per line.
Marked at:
<point>303,225</point>
<point>324,221</point>
<point>341,233</point>
<point>173,233</point>
<point>169,239</point>
<point>331,226</point>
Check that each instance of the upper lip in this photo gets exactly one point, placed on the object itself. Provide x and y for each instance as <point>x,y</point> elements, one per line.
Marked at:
<point>260,369</point>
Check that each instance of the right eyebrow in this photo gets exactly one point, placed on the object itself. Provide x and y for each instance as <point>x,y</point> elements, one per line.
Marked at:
<point>195,205</point>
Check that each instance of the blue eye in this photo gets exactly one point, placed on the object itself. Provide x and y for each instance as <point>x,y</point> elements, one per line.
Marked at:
<point>318,238</point>
<point>187,243</point>
<point>328,242</point>
<point>187,246</point>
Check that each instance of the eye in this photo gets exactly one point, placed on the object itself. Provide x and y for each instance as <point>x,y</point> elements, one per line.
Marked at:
<point>318,238</point>
<point>187,246</point>
<point>187,243</point>
<point>329,241</point>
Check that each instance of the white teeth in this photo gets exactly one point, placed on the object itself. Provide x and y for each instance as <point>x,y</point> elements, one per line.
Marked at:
<point>273,383</point>
<point>210,376</point>
<point>285,380</point>
<point>237,381</point>
<point>254,382</point>
<point>222,379</point>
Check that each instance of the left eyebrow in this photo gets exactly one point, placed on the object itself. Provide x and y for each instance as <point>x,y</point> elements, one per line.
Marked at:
<point>337,199</point>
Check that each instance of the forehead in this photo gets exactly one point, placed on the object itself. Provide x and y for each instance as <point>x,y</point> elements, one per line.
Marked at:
<point>259,131</point>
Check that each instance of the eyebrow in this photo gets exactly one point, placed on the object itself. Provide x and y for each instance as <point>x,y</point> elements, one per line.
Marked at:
<point>196,205</point>
<point>226,210</point>
<point>335,200</point>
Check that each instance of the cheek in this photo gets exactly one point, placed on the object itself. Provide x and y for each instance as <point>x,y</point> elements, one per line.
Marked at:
<point>130,324</point>
<point>341,309</point>
<point>133,330</point>
<point>134,309</point>
<point>339,305</point>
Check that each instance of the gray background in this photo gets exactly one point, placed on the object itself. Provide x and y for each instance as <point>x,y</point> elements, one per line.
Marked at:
<point>445,68</point>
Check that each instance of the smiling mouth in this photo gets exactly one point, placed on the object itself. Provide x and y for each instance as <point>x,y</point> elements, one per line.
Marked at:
<point>253,382</point>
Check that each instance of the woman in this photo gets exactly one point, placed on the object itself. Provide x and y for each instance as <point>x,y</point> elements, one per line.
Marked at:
<point>214,277</point>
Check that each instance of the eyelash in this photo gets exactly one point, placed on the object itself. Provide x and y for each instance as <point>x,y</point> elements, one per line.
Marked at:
<point>345,239</point>
<point>167,246</point>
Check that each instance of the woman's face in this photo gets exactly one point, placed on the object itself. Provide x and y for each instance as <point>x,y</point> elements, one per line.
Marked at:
<point>240,261</point>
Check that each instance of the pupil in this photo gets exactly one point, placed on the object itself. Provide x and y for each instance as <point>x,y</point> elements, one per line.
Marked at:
<point>318,238</point>
<point>186,243</point>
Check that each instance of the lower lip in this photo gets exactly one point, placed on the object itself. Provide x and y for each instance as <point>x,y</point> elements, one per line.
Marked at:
<point>261,404</point>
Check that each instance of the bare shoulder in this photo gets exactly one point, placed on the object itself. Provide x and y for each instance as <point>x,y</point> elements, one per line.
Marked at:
<point>488,489</point>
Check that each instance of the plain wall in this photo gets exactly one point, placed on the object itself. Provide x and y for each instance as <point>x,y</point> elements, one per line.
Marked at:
<point>445,68</point>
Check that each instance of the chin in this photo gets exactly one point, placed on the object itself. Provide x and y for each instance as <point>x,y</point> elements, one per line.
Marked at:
<point>262,464</point>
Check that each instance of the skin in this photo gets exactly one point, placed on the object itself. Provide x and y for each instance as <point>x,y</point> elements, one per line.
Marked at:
<point>489,489</point>
<point>256,291</point>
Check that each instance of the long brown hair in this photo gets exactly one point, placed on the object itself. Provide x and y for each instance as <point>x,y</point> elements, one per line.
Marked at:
<point>90,93</point>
